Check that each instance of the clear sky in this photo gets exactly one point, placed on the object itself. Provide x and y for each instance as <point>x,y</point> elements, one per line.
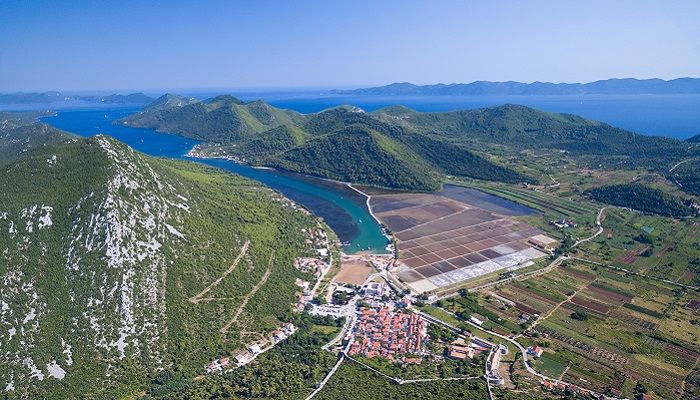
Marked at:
<point>90,45</point>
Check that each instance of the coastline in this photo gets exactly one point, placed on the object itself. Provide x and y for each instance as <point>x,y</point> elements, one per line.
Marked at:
<point>338,188</point>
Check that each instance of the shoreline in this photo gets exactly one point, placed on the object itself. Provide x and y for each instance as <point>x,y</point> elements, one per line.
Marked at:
<point>193,153</point>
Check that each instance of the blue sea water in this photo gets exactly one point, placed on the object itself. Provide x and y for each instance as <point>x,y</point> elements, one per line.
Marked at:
<point>339,206</point>
<point>676,116</point>
<point>345,212</point>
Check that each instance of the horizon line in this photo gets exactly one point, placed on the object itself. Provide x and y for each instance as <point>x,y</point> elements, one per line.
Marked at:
<point>291,88</point>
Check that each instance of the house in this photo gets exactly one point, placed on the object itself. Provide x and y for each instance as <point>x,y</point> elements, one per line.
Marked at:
<point>225,361</point>
<point>542,241</point>
<point>289,327</point>
<point>460,353</point>
<point>475,320</point>
<point>255,349</point>
<point>374,289</point>
<point>535,351</point>
<point>459,350</point>
<point>278,335</point>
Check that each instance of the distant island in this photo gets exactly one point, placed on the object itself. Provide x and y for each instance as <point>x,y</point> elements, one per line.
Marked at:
<point>58,97</point>
<point>485,88</point>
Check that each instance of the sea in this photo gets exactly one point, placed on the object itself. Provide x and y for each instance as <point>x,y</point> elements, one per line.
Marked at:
<point>343,209</point>
<point>676,116</point>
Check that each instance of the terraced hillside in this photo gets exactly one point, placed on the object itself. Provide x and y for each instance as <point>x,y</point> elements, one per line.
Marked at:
<point>101,250</point>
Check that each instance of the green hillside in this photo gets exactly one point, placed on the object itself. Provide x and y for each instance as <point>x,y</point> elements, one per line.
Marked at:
<point>356,154</point>
<point>221,119</point>
<point>103,250</point>
<point>523,127</point>
<point>327,144</point>
<point>20,133</point>
<point>643,198</point>
<point>687,177</point>
<point>402,148</point>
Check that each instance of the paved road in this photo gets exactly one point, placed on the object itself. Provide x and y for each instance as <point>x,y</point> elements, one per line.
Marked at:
<point>595,235</point>
<point>341,357</point>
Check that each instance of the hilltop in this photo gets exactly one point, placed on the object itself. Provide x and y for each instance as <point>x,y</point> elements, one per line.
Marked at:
<point>103,246</point>
<point>223,118</point>
<point>485,88</point>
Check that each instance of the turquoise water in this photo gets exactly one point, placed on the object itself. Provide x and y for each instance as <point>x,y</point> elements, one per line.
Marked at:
<point>342,209</point>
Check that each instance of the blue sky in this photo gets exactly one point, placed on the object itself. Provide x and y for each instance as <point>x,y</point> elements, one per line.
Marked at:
<point>73,45</point>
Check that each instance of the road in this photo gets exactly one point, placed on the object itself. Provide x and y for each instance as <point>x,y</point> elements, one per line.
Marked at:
<point>680,163</point>
<point>341,356</point>
<point>198,297</point>
<point>595,235</point>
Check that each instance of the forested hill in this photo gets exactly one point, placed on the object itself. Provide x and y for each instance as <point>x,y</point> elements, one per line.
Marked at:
<point>645,199</point>
<point>220,119</point>
<point>400,147</point>
<point>524,127</point>
<point>20,133</point>
<point>694,139</point>
<point>485,88</point>
<point>103,249</point>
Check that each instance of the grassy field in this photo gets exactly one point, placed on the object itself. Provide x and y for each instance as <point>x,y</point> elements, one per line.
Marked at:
<point>549,366</point>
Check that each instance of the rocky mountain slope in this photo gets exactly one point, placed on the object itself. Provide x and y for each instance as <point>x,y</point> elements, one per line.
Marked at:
<point>101,247</point>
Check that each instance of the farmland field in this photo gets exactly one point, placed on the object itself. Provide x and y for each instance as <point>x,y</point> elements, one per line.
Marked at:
<point>614,322</point>
<point>616,312</point>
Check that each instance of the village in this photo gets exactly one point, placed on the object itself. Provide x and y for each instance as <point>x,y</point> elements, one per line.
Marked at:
<point>385,320</point>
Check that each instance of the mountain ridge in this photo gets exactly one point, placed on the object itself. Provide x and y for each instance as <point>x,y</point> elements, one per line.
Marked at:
<point>483,88</point>
<point>20,133</point>
<point>103,246</point>
<point>460,143</point>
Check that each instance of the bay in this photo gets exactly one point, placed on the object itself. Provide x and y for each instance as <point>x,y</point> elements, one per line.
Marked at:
<point>341,207</point>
